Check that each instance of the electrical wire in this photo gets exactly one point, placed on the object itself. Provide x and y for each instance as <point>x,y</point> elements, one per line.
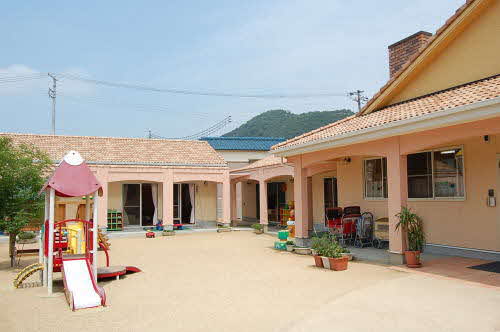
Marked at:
<point>194,92</point>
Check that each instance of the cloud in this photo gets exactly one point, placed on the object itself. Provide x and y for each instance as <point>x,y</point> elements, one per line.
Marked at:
<point>22,80</point>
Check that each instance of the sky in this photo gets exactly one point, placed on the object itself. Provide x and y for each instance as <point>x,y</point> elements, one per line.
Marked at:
<point>236,47</point>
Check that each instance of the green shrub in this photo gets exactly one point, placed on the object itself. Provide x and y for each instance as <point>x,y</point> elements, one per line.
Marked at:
<point>290,243</point>
<point>258,227</point>
<point>26,235</point>
<point>411,224</point>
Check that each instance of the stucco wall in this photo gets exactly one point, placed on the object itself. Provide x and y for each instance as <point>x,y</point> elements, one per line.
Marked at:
<point>249,199</point>
<point>242,156</point>
<point>465,223</point>
<point>206,201</point>
<point>205,197</point>
<point>476,49</point>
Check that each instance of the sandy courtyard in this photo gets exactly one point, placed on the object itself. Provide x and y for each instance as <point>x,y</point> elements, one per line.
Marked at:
<point>236,282</point>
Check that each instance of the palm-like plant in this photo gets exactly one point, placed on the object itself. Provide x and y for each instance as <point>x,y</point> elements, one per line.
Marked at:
<point>411,224</point>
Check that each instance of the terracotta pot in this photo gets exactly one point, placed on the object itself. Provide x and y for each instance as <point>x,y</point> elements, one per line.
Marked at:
<point>413,259</point>
<point>338,264</point>
<point>318,261</point>
<point>258,231</point>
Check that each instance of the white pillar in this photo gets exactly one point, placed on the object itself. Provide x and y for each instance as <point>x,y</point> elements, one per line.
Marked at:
<point>50,250</point>
<point>95,223</point>
<point>41,253</point>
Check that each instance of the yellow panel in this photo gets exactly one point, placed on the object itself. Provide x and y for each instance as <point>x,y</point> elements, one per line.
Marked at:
<point>472,55</point>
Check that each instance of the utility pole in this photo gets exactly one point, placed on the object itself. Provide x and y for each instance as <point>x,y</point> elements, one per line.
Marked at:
<point>52,95</point>
<point>358,97</point>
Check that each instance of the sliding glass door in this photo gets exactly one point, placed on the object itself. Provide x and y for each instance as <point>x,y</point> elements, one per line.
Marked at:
<point>140,201</point>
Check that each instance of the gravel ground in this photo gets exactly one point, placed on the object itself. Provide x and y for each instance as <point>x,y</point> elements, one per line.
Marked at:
<point>236,282</point>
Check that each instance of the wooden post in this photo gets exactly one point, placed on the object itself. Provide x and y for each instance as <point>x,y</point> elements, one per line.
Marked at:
<point>87,207</point>
<point>50,250</point>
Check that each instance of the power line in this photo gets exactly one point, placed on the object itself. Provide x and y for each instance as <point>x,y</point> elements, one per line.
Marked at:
<point>194,92</point>
<point>206,132</point>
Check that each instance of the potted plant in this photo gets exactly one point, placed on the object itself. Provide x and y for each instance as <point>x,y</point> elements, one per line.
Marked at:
<point>223,228</point>
<point>290,245</point>
<point>411,225</point>
<point>318,245</point>
<point>258,228</point>
<point>345,252</point>
<point>337,261</point>
<point>168,232</point>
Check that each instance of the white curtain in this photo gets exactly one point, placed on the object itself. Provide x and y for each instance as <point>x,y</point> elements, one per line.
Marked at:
<point>154,192</point>
<point>191,197</point>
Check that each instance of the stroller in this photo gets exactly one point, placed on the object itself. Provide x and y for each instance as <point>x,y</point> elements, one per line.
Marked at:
<point>342,224</point>
<point>364,230</point>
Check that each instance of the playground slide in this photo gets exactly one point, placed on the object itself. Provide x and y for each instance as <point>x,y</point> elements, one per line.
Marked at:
<point>81,290</point>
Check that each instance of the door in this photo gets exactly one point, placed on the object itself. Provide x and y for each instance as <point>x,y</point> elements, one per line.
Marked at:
<point>139,204</point>
<point>330,192</point>
<point>132,204</point>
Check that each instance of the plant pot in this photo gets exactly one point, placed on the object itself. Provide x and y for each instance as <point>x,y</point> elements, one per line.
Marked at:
<point>258,231</point>
<point>223,229</point>
<point>166,233</point>
<point>348,255</point>
<point>318,261</point>
<point>413,259</point>
<point>338,264</point>
<point>326,262</point>
<point>290,247</point>
<point>302,251</point>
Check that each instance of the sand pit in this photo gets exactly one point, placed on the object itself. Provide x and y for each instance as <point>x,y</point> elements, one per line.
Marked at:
<point>236,282</point>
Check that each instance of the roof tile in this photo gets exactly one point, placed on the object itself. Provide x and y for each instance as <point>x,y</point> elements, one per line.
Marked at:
<point>474,92</point>
<point>123,151</point>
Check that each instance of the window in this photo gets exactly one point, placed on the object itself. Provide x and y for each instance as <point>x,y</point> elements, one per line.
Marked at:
<point>436,174</point>
<point>375,175</point>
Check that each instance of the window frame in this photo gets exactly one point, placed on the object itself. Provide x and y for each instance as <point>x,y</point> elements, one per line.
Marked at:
<point>434,198</point>
<point>367,198</point>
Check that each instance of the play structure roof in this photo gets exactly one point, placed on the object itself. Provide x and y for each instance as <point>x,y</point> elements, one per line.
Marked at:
<point>72,177</point>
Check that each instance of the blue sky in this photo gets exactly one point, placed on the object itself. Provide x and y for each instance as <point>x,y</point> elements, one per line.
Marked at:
<point>259,47</point>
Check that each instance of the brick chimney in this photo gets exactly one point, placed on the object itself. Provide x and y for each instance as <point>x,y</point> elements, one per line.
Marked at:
<point>401,51</point>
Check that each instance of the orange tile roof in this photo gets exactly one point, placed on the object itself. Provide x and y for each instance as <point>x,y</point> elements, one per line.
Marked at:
<point>125,151</point>
<point>403,68</point>
<point>270,160</point>
<point>465,94</point>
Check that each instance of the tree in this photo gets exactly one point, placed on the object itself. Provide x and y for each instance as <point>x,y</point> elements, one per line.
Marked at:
<point>22,174</point>
<point>281,123</point>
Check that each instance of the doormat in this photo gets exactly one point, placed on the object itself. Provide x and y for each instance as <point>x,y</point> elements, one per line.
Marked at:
<point>488,267</point>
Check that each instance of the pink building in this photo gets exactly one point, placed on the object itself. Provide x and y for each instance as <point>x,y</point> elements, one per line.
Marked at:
<point>429,140</point>
<point>146,180</point>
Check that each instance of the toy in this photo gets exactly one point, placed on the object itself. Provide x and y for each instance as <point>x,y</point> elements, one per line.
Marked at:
<point>150,235</point>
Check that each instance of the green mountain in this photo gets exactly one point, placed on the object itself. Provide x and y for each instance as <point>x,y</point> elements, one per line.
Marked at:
<point>281,123</point>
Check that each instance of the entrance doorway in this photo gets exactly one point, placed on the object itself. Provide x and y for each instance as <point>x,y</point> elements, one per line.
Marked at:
<point>330,193</point>
<point>140,201</point>
<point>276,200</point>
<point>184,203</point>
